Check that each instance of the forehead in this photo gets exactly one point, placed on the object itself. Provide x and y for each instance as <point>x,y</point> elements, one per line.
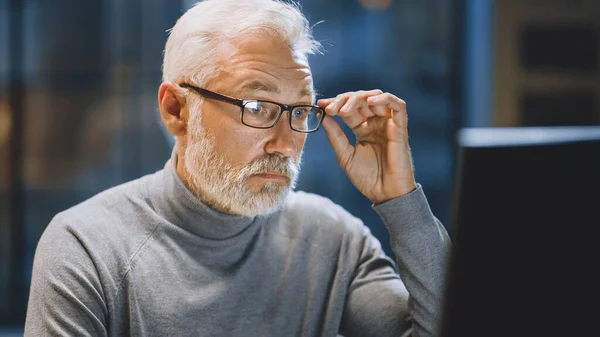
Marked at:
<point>262,64</point>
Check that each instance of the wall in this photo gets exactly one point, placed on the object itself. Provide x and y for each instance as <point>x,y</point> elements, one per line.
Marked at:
<point>554,85</point>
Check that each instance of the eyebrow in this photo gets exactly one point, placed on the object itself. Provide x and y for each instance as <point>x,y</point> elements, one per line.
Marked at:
<point>266,87</point>
<point>260,86</point>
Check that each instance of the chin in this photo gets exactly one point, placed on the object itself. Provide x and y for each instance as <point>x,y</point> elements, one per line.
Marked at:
<point>268,200</point>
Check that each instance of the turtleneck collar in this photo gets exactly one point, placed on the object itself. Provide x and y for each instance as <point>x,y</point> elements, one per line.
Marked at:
<point>179,206</point>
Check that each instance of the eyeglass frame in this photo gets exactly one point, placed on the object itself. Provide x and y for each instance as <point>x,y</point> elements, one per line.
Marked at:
<point>242,104</point>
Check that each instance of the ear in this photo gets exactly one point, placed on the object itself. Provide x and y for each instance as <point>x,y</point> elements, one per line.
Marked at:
<point>170,105</point>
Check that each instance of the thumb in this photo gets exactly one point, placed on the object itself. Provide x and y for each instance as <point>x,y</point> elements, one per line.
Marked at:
<point>338,140</point>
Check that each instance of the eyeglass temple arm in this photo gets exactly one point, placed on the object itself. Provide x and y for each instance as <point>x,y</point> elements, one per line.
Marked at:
<point>214,95</point>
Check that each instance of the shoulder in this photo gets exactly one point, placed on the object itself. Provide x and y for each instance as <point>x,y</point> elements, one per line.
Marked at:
<point>123,195</point>
<point>105,230</point>
<point>111,211</point>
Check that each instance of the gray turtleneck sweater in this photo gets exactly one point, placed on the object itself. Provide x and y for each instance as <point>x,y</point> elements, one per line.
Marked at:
<point>146,258</point>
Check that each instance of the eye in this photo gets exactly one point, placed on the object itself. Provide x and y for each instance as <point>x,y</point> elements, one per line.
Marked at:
<point>300,112</point>
<point>255,108</point>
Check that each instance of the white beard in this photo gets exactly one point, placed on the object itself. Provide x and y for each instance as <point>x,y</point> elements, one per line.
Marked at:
<point>221,185</point>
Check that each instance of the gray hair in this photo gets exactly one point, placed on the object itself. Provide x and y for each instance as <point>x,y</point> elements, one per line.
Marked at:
<point>190,51</point>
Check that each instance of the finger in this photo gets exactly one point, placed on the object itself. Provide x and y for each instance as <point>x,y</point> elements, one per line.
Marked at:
<point>373,92</point>
<point>381,111</point>
<point>341,97</point>
<point>324,102</point>
<point>397,105</point>
<point>350,112</point>
<point>339,142</point>
<point>359,103</point>
<point>366,110</point>
<point>351,104</point>
<point>334,108</point>
<point>386,99</point>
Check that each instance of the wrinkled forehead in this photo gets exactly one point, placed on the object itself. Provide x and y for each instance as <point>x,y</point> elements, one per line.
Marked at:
<point>259,64</point>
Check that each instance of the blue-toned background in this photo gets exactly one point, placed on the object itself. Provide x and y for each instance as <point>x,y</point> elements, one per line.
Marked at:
<point>79,80</point>
<point>84,77</point>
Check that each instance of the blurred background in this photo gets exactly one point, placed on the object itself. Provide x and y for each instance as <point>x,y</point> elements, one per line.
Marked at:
<point>78,84</point>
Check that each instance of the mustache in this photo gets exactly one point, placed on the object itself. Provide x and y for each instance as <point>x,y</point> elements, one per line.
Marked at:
<point>272,163</point>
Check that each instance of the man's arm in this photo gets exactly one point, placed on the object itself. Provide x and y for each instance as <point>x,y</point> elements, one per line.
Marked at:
<point>379,303</point>
<point>66,297</point>
<point>380,165</point>
<point>422,247</point>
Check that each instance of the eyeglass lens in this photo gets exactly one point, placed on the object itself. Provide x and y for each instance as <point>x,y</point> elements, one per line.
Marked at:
<point>264,114</point>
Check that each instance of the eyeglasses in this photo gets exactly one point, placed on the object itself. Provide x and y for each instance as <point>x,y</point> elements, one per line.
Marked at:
<point>262,114</point>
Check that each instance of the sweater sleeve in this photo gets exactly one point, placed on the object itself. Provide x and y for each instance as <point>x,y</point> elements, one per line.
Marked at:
<point>66,297</point>
<point>403,299</point>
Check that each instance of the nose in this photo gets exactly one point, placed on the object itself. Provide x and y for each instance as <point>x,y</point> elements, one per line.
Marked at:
<point>282,138</point>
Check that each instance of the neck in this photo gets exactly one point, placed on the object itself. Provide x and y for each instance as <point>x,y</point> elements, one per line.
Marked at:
<point>176,203</point>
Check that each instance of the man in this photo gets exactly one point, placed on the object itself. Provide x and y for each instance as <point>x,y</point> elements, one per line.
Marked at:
<point>218,243</point>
